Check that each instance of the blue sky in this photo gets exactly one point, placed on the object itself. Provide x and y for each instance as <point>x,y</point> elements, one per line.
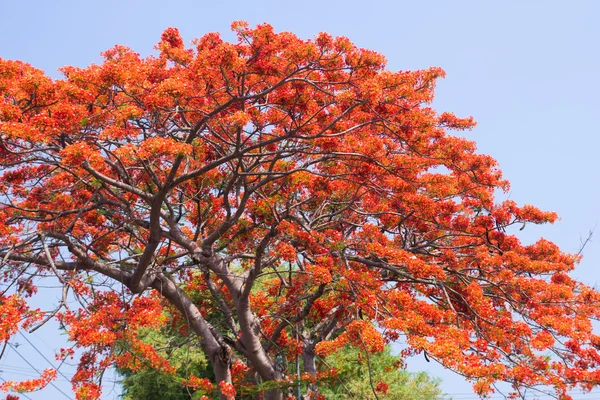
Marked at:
<point>526,70</point>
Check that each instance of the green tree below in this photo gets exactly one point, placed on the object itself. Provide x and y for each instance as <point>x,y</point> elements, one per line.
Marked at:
<point>359,377</point>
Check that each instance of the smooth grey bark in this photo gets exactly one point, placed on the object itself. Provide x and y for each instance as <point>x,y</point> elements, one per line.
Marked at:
<point>310,366</point>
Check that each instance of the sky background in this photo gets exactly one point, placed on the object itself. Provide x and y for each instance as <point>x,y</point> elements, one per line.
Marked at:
<point>528,71</point>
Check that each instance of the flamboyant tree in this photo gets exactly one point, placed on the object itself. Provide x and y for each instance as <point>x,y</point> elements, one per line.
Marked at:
<point>313,198</point>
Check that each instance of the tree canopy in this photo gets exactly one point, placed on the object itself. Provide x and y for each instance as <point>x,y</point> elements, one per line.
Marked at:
<point>281,197</point>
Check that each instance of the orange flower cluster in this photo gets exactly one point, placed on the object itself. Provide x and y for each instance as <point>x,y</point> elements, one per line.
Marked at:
<point>30,385</point>
<point>198,383</point>
<point>12,313</point>
<point>227,390</point>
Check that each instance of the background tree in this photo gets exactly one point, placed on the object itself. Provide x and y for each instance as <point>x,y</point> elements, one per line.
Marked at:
<point>183,355</point>
<point>358,378</point>
<point>234,160</point>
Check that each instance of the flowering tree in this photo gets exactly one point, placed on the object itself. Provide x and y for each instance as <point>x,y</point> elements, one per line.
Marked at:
<point>304,191</point>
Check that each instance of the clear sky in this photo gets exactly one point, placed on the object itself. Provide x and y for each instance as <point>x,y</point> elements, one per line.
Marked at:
<point>528,71</point>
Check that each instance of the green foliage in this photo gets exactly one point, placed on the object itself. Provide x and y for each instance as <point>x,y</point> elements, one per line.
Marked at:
<point>182,353</point>
<point>354,379</point>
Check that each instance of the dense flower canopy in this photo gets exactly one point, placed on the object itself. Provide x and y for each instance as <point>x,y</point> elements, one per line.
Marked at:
<point>280,197</point>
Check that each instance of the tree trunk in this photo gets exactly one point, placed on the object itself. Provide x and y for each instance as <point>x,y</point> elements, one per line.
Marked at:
<point>220,363</point>
<point>275,394</point>
<point>310,366</point>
